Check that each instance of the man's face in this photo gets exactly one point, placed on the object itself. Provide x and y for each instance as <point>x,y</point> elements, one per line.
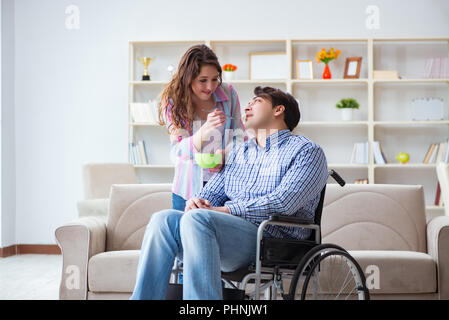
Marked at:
<point>259,113</point>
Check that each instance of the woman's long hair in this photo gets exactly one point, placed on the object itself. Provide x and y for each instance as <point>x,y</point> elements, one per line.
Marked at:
<point>179,88</point>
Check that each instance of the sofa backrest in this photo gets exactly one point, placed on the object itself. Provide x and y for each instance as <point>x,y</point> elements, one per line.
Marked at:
<point>130,210</point>
<point>375,217</point>
<point>98,178</point>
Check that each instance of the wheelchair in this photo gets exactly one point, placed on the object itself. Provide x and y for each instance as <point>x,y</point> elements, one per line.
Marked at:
<point>316,271</point>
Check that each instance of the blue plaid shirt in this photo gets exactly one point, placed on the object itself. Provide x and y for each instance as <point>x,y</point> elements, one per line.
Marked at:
<point>286,177</point>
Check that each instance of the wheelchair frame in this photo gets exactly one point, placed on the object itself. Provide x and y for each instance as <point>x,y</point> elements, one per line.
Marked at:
<point>273,276</point>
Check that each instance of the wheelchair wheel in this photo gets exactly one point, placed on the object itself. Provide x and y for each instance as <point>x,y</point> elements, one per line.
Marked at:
<point>335,275</point>
<point>305,265</point>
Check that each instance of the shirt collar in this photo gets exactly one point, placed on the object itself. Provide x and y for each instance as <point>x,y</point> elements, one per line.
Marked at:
<point>274,138</point>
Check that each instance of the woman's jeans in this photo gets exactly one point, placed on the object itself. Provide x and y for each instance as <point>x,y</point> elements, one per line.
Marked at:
<point>207,242</point>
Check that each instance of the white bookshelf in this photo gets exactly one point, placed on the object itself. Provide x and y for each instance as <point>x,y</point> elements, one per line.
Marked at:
<point>384,113</point>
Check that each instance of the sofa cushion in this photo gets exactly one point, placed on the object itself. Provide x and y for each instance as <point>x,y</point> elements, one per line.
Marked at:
<point>399,271</point>
<point>113,271</point>
<point>130,209</point>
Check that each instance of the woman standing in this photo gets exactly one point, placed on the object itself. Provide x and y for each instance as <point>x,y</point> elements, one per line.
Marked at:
<point>199,111</point>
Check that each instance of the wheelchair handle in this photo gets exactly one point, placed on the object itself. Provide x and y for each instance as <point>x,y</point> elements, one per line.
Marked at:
<point>337,177</point>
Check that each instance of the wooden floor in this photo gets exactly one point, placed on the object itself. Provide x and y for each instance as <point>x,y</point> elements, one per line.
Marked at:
<point>30,277</point>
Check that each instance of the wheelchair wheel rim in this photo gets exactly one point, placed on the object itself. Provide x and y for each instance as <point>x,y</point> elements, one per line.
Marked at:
<point>345,278</point>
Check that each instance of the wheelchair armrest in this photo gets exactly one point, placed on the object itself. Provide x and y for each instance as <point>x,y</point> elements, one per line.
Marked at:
<point>296,220</point>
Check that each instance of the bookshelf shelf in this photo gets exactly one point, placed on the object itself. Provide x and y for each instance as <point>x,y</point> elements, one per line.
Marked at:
<point>333,123</point>
<point>348,165</point>
<point>405,166</point>
<point>410,80</point>
<point>411,123</point>
<point>384,113</point>
<point>144,124</point>
<point>153,166</point>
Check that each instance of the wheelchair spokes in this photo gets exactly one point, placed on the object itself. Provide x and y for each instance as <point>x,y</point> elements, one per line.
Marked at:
<point>335,275</point>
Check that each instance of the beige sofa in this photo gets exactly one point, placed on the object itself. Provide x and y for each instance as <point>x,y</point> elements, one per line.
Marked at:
<point>382,225</point>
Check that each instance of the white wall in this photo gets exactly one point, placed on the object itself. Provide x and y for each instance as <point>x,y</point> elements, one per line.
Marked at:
<point>71,85</point>
<point>7,140</point>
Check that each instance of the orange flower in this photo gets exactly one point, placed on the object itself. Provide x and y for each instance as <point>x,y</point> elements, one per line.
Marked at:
<point>229,67</point>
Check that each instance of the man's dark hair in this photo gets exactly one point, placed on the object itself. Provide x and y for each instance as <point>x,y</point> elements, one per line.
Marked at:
<point>279,97</point>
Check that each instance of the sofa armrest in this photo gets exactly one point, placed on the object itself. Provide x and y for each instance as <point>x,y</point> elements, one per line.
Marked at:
<point>438,248</point>
<point>79,240</point>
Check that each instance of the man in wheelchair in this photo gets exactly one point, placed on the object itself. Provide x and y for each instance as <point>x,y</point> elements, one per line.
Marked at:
<point>275,172</point>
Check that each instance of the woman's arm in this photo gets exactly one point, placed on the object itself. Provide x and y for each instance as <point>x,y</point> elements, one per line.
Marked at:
<point>184,145</point>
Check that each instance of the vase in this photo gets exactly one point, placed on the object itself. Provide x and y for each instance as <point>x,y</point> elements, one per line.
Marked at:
<point>327,73</point>
<point>346,114</point>
<point>228,75</point>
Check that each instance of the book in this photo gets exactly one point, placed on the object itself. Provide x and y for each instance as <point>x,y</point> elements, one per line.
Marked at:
<point>143,156</point>
<point>383,154</point>
<point>385,74</point>
<point>429,153</point>
<point>131,153</point>
<point>437,68</point>
<point>146,151</point>
<point>441,152</point>
<point>433,156</point>
<point>378,156</point>
<point>438,195</point>
<point>446,156</point>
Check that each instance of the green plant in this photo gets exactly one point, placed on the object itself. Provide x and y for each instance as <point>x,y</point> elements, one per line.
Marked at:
<point>347,103</point>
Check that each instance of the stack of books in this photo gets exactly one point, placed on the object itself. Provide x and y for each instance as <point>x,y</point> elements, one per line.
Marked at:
<point>437,152</point>
<point>360,153</point>
<point>138,153</point>
<point>361,181</point>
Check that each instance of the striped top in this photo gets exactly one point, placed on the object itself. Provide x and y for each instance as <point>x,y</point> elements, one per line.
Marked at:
<point>188,177</point>
<point>286,177</point>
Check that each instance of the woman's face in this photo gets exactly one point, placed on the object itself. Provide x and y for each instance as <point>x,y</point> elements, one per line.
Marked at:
<point>205,84</point>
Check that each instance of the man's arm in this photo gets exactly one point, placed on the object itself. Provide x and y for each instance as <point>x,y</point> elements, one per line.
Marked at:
<point>302,183</point>
<point>214,190</point>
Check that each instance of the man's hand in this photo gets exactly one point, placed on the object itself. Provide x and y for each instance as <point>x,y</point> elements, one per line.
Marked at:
<point>197,203</point>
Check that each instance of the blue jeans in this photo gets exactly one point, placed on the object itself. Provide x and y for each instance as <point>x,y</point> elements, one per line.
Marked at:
<point>206,241</point>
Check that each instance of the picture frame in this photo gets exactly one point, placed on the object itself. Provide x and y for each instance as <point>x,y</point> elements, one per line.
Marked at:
<point>304,70</point>
<point>352,67</point>
<point>267,65</point>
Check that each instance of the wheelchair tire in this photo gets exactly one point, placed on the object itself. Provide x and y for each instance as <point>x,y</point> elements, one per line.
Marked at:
<point>305,263</point>
<point>358,277</point>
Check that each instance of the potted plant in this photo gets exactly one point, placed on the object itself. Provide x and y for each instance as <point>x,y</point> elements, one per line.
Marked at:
<point>228,71</point>
<point>325,57</point>
<point>346,106</point>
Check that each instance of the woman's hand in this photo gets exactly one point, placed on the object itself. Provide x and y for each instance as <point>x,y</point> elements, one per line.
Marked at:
<point>215,119</point>
<point>220,166</point>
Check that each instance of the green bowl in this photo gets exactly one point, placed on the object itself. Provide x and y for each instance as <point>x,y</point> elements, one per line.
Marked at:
<point>208,160</point>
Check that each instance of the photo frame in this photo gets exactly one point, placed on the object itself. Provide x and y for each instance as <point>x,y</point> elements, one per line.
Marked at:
<point>352,67</point>
<point>304,70</point>
<point>267,65</point>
